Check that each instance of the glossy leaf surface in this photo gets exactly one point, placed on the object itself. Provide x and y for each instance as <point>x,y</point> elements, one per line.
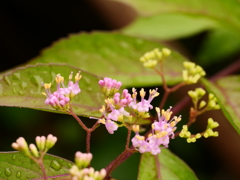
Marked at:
<point>171,167</point>
<point>169,26</point>
<point>196,16</point>
<point>16,166</point>
<point>113,55</point>
<point>22,87</point>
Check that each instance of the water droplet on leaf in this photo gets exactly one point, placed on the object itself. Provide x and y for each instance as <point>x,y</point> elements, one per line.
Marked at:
<point>14,90</point>
<point>17,76</point>
<point>87,80</point>
<point>7,81</point>
<point>18,174</point>
<point>69,165</point>
<point>21,93</point>
<point>8,172</point>
<point>55,165</point>
<point>89,89</point>
<point>23,85</point>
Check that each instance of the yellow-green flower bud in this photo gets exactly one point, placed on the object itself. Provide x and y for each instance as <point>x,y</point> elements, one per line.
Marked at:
<point>192,73</point>
<point>41,141</point>
<point>202,104</point>
<point>34,150</point>
<point>151,58</point>
<point>191,140</point>
<point>21,145</point>
<point>50,142</point>
<point>166,52</point>
<point>200,91</point>
<point>135,128</point>
<point>198,135</point>
<point>150,63</point>
<point>82,160</point>
<point>212,124</point>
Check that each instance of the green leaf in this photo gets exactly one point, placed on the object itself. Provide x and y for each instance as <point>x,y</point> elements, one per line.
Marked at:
<point>227,90</point>
<point>209,14</point>
<point>171,167</point>
<point>22,87</point>
<point>226,42</point>
<point>15,165</point>
<point>168,26</point>
<point>113,55</point>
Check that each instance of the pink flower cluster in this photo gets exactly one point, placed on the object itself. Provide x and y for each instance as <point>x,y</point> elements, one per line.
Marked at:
<point>115,106</point>
<point>114,110</point>
<point>109,86</point>
<point>61,98</point>
<point>144,105</point>
<point>162,131</point>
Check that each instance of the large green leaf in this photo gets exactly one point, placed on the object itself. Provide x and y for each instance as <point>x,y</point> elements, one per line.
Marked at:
<point>22,87</point>
<point>16,166</point>
<point>227,90</point>
<point>171,167</point>
<point>168,26</point>
<point>113,55</point>
<point>195,16</point>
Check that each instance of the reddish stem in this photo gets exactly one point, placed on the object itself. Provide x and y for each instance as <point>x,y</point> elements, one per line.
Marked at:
<point>157,167</point>
<point>88,130</point>
<point>39,161</point>
<point>121,158</point>
<point>164,99</point>
<point>128,137</point>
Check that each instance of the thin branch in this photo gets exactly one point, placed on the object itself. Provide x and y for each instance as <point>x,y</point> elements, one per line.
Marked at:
<point>164,99</point>
<point>78,119</point>
<point>88,130</point>
<point>88,138</point>
<point>128,137</point>
<point>39,161</point>
<point>158,167</point>
<point>120,159</point>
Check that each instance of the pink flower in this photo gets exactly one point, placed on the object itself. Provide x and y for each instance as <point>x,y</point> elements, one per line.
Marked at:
<point>111,126</point>
<point>140,144</point>
<point>60,99</point>
<point>162,130</point>
<point>144,105</point>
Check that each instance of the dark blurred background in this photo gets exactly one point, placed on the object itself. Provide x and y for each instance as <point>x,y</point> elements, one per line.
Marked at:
<point>27,27</point>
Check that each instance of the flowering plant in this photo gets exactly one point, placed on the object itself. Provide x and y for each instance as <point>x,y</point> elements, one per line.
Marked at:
<point>131,97</point>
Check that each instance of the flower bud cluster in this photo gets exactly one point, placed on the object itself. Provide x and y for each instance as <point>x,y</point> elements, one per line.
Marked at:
<point>197,94</point>
<point>115,110</point>
<point>209,131</point>
<point>212,102</point>
<point>162,130</point>
<point>185,133</point>
<point>61,98</point>
<point>192,73</point>
<point>109,86</point>
<point>43,144</point>
<point>151,58</point>
<point>80,170</point>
